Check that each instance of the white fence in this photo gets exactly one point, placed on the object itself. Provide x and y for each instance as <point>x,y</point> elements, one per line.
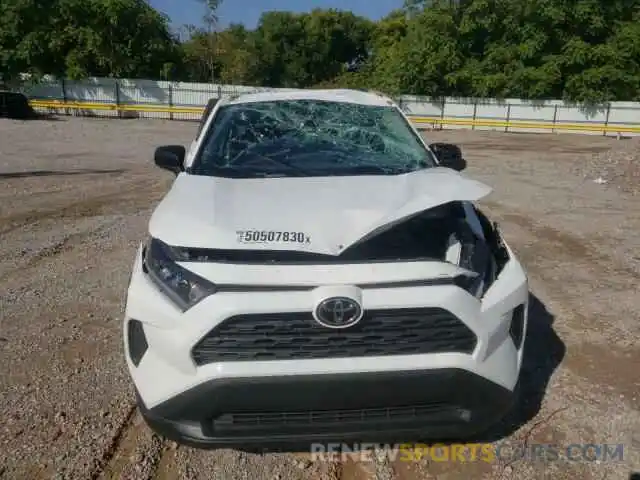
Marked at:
<point>184,101</point>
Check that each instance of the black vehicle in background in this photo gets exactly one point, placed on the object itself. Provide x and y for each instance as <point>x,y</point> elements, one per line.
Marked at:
<point>14,105</point>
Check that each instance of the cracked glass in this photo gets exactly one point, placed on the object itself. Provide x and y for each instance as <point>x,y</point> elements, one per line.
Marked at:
<point>309,138</point>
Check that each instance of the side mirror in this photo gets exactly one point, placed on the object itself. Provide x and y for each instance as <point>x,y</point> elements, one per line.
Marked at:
<point>449,156</point>
<point>170,157</point>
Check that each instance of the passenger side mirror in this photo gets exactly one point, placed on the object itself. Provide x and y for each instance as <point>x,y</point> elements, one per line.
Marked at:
<point>171,157</point>
<point>449,156</point>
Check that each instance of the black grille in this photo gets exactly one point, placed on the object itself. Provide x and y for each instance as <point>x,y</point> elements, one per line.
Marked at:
<point>340,417</point>
<point>288,336</point>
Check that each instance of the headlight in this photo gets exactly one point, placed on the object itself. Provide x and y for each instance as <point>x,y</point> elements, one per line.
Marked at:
<point>472,284</point>
<point>476,257</point>
<point>183,287</point>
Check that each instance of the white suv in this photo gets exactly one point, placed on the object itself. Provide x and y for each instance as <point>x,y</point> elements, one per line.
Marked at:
<point>318,273</point>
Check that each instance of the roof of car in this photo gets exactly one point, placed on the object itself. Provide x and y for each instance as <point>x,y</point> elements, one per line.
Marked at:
<point>331,95</point>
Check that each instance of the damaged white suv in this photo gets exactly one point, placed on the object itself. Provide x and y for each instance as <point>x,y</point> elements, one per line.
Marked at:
<point>318,273</point>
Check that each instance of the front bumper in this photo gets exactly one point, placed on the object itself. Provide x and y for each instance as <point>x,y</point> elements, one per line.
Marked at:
<point>364,407</point>
<point>226,403</point>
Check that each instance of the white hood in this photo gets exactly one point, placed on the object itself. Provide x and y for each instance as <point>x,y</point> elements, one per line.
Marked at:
<point>332,212</point>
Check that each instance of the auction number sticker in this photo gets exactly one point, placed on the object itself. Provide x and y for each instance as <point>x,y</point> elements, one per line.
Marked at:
<point>272,236</point>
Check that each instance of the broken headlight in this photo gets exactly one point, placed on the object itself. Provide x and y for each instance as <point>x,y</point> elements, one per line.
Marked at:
<point>183,287</point>
<point>476,257</point>
<point>472,284</point>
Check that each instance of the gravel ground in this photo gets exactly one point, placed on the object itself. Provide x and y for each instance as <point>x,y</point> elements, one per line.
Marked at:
<point>75,196</point>
<point>617,167</point>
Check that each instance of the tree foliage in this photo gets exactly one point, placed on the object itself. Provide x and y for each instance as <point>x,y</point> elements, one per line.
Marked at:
<point>76,38</point>
<point>580,50</point>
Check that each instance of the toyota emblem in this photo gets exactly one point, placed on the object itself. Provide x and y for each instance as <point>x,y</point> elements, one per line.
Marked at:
<point>338,312</point>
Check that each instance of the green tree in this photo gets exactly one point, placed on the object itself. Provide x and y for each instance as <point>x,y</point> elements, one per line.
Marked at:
<point>77,38</point>
<point>302,50</point>
<point>417,55</point>
<point>580,50</point>
<point>235,55</point>
<point>600,60</point>
<point>202,52</point>
<point>25,30</point>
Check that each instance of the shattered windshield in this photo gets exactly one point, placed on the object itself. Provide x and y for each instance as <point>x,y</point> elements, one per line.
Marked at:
<point>309,138</point>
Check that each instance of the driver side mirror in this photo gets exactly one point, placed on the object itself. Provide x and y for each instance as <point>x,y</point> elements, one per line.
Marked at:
<point>449,155</point>
<point>170,157</point>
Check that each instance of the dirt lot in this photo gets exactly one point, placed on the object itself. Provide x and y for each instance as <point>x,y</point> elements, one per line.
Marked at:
<point>75,196</point>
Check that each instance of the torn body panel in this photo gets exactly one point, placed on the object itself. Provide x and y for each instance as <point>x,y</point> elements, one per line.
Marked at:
<point>320,215</point>
<point>450,241</point>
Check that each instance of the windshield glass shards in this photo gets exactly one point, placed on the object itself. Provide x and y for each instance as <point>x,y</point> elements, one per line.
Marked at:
<point>309,138</point>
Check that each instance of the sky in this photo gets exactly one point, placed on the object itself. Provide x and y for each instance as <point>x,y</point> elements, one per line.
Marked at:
<point>248,11</point>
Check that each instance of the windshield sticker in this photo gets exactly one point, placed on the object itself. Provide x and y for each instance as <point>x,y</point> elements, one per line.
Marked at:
<point>272,236</point>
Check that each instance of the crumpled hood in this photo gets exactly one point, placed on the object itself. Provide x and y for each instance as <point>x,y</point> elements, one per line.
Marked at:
<point>320,214</point>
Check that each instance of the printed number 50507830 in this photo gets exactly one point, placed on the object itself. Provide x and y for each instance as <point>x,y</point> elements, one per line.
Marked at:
<point>272,236</point>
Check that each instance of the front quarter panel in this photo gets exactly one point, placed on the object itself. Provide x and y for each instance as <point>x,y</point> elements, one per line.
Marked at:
<point>510,290</point>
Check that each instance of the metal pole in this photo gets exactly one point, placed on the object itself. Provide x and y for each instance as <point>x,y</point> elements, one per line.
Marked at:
<point>506,127</point>
<point>117,85</point>
<point>64,96</point>
<point>606,121</point>
<point>170,102</point>
<point>475,112</point>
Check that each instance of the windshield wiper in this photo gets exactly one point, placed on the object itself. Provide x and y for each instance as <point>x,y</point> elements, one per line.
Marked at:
<point>348,170</point>
<point>299,171</point>
<point>230,172</point>
<point>368,170</point>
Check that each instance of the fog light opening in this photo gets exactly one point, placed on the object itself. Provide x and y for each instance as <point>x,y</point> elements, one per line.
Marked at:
<point>138,345</point>
<point>516,329</point>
